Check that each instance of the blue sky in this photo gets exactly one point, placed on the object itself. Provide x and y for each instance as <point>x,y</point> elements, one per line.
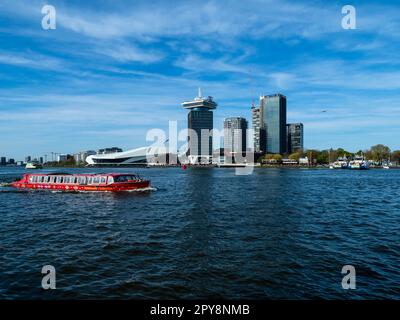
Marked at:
<point>112,70</point>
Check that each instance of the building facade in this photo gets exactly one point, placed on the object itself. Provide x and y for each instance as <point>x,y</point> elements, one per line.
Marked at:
<point>200,125</point>
<point>81,156</point>
<point>235,134</point>
<point>295,137</point>
<point>259,137</point>
<point>273,117</point>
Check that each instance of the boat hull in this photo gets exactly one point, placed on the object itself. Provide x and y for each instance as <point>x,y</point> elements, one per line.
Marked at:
<point>77,188</point>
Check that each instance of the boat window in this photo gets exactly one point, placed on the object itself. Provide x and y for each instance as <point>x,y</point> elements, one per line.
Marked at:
<point>59,179</point>
<point>90,180</point>
<point>96,180</point>
<point>34,178</point>
<point>46,179</point>
<point>75,180</point>
<point>110,180</point>
<point>40,179</point>
<point>31,179</point>
<point>103,179</point>
<point>82,180</point>
<point>125,178</point>
<point>67,179</point>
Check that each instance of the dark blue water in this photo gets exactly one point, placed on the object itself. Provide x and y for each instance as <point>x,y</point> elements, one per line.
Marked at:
<point>207,233</point>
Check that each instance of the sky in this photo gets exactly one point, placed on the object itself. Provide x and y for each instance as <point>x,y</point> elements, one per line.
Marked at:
<point>113,70</point>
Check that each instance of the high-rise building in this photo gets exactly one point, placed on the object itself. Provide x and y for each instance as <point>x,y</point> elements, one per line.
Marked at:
<point>41,161</point>
<point>200,125</point>
<point>295,137</point>
<point>258,130</point>
<point>273,115</point>
<point>235,136</point>
<point>28,159</point>
<point>11,161</point>
<point>3,161</point>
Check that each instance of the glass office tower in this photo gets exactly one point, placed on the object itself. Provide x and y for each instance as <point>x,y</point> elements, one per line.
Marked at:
<point>274,119</point>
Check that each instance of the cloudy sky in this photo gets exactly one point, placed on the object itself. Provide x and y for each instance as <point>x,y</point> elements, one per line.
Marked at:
<point>112,70</point>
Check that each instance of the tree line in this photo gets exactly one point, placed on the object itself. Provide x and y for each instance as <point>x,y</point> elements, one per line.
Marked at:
<point>378,153</point>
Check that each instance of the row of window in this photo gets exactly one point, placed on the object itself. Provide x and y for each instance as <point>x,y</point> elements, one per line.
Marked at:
<point>71,179</point>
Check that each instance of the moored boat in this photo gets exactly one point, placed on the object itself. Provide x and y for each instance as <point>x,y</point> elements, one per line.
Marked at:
<point>359,163</point>
<point>33,165</point>
<point>340,163</point>
<point>82,182</point>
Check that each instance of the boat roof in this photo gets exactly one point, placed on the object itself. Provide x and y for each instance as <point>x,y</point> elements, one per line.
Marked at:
<point>83,174</point>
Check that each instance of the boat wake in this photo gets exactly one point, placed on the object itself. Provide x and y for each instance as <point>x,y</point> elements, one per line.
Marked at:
<point>148,189</point>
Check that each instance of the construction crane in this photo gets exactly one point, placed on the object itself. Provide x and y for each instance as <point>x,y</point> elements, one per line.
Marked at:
<point>53,154</point>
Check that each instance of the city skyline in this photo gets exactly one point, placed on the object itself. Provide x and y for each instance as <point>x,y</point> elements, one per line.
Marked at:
<point>108,73</point>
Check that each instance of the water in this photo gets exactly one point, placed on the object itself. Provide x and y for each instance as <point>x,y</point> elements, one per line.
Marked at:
<point>206,233</point>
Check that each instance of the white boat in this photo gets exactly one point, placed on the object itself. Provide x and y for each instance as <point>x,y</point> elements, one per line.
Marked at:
<point>340,163</point>
<point>33,165</point>
<point>359,163</point>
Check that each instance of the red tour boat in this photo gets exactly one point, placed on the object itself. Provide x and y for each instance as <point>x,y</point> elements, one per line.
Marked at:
<point>82,182</point>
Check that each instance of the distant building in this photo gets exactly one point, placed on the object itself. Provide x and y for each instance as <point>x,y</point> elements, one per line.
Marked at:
<point>235,135</point>
<point>273,115</point>
<point>295,137</point>
<point>11,161</point>
<point>62,157</point>
<point>81,156</point>
<point>200,125</point>
<point>258,130</point>
<point>109,150</point>
<point>28,159</point>
<point>41,160</point>
<point>3,161</point>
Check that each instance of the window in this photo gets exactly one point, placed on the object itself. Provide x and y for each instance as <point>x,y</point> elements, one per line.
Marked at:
<point>82,180</point>
<point>34,179</point>
<point>90,180</point>
<point>110,180</point>
<point>96,180</point>
<point>59,180</point>
<point>47,179</point>
<point>75,180</point>
<point>67,180</point>
<point>103,179</point>
<point>31,179</point>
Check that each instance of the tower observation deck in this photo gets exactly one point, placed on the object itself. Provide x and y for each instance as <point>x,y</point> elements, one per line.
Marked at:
<point>200,125</point>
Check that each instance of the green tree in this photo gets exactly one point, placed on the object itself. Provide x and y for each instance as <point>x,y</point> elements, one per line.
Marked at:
<point>323,157</point>
<point>271,157</point>
<point>380,152</point>
<point>295,156</point>
<point>395,156</point>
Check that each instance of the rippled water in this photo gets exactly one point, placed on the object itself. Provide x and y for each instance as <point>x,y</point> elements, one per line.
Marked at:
<point>207,233</point>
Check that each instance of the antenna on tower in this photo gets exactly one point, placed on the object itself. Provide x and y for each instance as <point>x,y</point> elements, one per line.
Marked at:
<point>251,88</point>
